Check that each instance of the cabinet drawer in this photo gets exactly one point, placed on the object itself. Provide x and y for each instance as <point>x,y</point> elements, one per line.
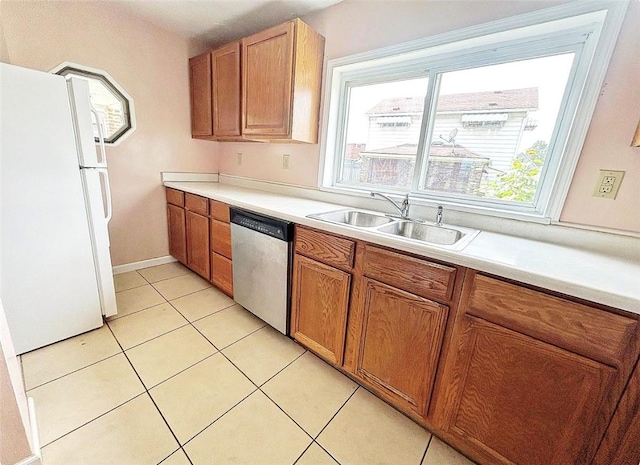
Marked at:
<point>591,332</point>
<point>196,204</point>
<point>325,248</point>
<point>222,273</point>
<point>221,238</point>
<point>415,275</point>
<point>175,197</point>
<point>219,211</point>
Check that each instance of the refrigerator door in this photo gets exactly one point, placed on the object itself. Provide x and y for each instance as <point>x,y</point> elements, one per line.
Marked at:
<point>90,153</point>
<point>48,281</point>
<point>96,182</point>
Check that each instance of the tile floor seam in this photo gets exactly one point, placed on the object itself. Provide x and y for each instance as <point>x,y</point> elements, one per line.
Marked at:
<point>154,337</point>
<point>165,459</point>
<point>203,317</point>
<point>303,452</point>
<point>150,397</point>
<point>220,417</point>
<point>284,368</point>
<point>289,416</point>
<point>426,449</point>
<point>75,371</point>
<point>179,297</point>
<point>134,287</point>
<point>42,446</point>
<point>336,414</point>
<point>114,318</point>
<point>166,279</point>
<point>234,342</point>
<point>325,449</point>
<point>182,371</point>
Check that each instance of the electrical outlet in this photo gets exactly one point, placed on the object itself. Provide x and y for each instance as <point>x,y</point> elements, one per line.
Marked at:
<point>285,161</point>
<point>608,184</point>
<point>239,159</point>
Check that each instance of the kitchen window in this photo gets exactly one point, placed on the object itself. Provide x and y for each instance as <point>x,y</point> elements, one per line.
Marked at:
<point>489,122</point>
<point>111,101</point>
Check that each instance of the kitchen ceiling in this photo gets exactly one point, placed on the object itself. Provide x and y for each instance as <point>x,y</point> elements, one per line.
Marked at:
<point>219,21</point>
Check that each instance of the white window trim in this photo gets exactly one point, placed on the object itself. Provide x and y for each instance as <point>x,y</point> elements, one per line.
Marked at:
<point>112,80</point>
<point>484,33</point>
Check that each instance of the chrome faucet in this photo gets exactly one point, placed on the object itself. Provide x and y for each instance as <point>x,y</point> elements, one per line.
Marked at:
<point>403,208</point>
<point>439,216</point>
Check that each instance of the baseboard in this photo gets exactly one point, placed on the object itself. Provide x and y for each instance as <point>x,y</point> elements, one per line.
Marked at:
<point>32,460</point>
<point>143,264</point>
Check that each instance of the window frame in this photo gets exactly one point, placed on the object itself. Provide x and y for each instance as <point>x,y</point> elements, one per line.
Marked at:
<point>110,83</point>
<point>518,37</point>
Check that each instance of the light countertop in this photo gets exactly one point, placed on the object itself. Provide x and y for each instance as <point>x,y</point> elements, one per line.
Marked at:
<point>581,273</point>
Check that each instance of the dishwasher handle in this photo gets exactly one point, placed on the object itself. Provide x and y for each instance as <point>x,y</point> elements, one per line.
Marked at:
<point>274,227</point>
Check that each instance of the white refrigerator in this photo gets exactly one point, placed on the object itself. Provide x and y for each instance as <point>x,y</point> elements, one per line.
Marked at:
<point>55,268</point>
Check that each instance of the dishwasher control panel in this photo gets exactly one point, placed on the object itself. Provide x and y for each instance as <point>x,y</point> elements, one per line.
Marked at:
<point>273,227</point>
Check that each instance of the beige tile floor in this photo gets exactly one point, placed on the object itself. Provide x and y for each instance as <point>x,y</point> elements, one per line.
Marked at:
<point>183,375</point>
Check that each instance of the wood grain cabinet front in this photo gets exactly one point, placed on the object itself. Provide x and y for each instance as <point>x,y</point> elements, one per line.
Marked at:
<point>281,78</point>
<point>533,378</point>
<point>226,91</point>
<point>200,93</point>
<point>320,300</point>
<point>198,244</point>
<point>176,222</point>
<point>221,259</point>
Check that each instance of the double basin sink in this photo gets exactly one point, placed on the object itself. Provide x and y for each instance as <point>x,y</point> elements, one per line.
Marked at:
<point>450,237</point>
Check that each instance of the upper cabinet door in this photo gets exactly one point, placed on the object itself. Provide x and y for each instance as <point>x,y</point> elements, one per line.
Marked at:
<point>226,90</point>
<point>200,85</point>
<point>267,59</point>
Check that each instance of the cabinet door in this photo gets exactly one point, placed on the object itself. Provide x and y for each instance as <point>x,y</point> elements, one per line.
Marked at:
<point>200,88</point>
<point>319,307</point>
<point>267,68</point>
<point>399,343</point>
<point>177,233</point>
<point>222,273</point>
<point>198,244</point>
<point>521,400</point>
<point>226,90</point>
<point>221,238</point>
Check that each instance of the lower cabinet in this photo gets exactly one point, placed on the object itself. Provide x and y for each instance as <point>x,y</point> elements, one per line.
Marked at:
<point>177,233</point>
<point>222,273</point>
<point>533,378</point>
<point>399,343</point>
<point>221,259</point>
<point>506,373</point>
<point>320,299</point>
<point>198,243</point>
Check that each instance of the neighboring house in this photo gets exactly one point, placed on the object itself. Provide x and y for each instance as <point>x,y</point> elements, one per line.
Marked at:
<point>450,169</point>
<point>489,124</point>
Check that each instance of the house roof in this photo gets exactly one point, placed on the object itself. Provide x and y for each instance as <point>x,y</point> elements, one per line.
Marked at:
<point>445,151</point>
<point>501,100</point>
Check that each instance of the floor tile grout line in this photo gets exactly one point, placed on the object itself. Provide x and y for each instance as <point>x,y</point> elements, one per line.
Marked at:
<point>426,449</point>
<point>303,452</point>
<point>180,296</point>
<point>77,370</point>
<point>156,337</point>
<point>165,459</point>
<point>282,369</point>
<point>202,317</point>
<point>182,371</point>
<point>335,414</point>
<point>130,288</point>
<point>94,419</point>
<point>220,417</point>
<point>326,451</point>
<point>115,318</point>
<point>146,391</point>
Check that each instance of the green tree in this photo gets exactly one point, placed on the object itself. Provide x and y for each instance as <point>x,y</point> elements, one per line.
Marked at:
<point>519,183</point>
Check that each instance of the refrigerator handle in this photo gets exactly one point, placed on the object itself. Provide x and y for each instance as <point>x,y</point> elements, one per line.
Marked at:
<point>107,192</point>
<point>103,154</point>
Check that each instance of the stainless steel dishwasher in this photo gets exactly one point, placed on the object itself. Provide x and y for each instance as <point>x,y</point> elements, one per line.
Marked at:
<point>261,247</point>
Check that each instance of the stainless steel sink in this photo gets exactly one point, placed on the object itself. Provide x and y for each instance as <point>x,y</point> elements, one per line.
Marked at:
<point>446,236</point>
<point>354,218</point>
<point>451,237</point>
<point>423,232</point>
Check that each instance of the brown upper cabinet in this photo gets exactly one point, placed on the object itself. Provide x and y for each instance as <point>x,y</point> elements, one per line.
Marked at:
<point>226,90</point>
<point>263,88</point>
<point>200,87</point>
<point>282,73</point>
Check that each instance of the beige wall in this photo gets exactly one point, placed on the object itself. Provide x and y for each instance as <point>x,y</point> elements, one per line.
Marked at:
<point>357,26</point>
<point>151,64</point>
